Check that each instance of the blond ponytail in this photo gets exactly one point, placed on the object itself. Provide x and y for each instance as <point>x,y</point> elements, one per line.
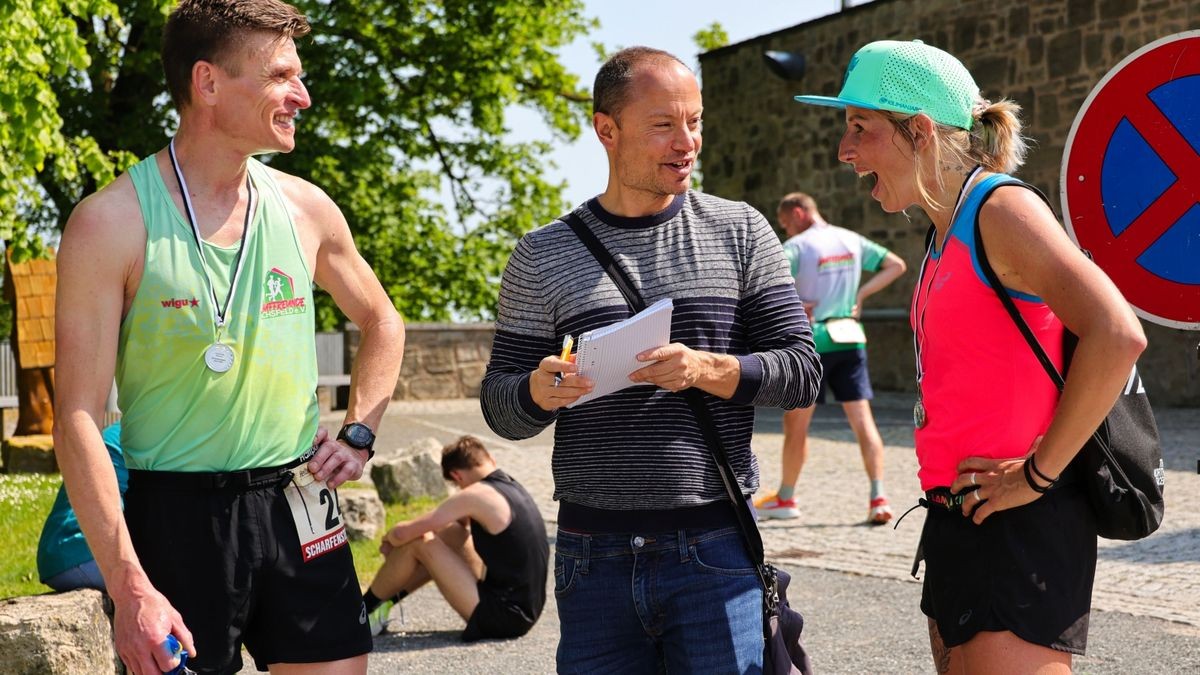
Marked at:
<point>995,139</point>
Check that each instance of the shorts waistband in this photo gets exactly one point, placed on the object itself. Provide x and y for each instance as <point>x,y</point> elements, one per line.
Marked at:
<point>942,497</point>
<point>232,481</point>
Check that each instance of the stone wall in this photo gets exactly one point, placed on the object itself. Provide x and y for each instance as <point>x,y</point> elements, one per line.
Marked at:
<point>1045,54</point>
<point>441,360</point>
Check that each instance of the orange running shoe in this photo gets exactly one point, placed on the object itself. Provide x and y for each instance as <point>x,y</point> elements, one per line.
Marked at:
<point>771,506</point>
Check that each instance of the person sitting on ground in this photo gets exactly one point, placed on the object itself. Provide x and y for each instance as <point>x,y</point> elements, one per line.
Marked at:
<point>485,547</point>
<point>64,561</point>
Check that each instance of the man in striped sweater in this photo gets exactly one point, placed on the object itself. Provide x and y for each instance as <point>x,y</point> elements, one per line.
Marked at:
<point>649,567</point>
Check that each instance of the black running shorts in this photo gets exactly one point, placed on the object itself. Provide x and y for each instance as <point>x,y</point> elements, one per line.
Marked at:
<point>494,617</point>
<point>1027,570</point>
<point>845,374</point>
<point>229,561</point>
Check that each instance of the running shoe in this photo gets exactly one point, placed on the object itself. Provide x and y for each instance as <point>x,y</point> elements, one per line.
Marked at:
<point>771,506</point>
<point>879,512</point>
<point>379,617</point>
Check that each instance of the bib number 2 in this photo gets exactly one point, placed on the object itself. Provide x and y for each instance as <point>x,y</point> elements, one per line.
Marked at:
<point>317,517</point>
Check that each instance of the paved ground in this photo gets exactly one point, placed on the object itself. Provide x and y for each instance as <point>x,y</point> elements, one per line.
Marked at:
<point>852,581</point>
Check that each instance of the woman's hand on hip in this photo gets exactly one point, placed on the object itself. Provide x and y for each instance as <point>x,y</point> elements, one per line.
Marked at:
<point>1001,484</point>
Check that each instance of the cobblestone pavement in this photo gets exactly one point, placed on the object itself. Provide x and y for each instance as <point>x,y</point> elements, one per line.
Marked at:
<point>1157,577</point>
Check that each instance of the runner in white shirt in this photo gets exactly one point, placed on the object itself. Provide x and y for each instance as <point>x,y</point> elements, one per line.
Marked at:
<point>827,263</point>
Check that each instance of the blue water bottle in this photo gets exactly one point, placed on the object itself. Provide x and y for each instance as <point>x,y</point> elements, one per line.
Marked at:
<point>171,644</point>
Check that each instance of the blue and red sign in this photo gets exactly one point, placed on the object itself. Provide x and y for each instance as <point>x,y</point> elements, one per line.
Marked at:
<point>1131,179</point>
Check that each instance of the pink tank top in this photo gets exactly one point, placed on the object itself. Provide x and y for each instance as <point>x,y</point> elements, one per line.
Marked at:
<point>984,392</point>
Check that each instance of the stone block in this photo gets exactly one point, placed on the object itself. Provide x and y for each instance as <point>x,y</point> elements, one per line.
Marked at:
<point>362,513</point>
<point>427,388</point>
<point>415,471</point>
<point>466,352</point>
<point>1080,12</point>
<point>471,376</point>
<point>1018,21</point>
<point>57,633</point>
<point>438,361</point>
<point>1065,53</point>
<point>1047,111</point>
<point>1115,9</point>
<point>1093,51</point>
<point>964,33</point>
<point>29,454</point>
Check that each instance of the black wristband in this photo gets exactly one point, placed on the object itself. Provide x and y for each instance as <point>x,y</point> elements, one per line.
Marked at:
<point>1039,474</point>
<point>1029,477</point>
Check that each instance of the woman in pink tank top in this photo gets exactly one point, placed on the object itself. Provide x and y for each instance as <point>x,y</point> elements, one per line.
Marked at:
<point>1009,540</point>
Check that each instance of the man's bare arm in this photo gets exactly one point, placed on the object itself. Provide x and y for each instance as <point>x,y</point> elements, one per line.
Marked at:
<point>892,267</point>
<point>98,252</point>
<point>479,502</point>
<point>340,270</point>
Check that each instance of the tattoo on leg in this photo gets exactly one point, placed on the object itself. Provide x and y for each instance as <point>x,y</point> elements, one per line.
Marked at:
<point>941,655</point>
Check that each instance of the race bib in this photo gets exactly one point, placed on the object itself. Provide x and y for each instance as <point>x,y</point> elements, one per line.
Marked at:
<point>316,514</point>
<point>845,331</point>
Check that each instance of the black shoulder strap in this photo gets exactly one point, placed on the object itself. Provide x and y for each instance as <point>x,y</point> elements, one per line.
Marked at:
<point>618,276</point>
<point>1006,300</point>
<point>694,398</point>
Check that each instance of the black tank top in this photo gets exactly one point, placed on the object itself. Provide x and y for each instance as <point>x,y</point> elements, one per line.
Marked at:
<point>517,557</point>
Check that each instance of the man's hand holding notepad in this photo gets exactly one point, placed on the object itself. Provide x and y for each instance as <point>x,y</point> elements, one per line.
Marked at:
<point>607,356</point>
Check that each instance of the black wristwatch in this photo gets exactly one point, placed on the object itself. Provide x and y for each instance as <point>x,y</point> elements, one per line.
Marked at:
<point>358,436</point>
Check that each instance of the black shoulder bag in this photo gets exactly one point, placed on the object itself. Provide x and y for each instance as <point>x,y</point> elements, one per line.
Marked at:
<point>1122,464</point>
<point>783,649</point>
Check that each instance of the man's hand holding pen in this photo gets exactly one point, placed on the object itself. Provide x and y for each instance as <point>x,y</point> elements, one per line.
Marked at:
<point>554,384</point>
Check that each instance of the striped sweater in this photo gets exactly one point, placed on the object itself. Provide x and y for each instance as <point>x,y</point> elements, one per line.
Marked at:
<point>641,448</point>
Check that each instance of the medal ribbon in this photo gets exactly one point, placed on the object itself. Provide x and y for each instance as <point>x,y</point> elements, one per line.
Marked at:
<point>920,331</point>
<point>218,313</point>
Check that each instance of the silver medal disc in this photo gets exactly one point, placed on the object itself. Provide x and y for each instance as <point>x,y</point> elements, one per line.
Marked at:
<point>919,415</point>
<point>218,357</point>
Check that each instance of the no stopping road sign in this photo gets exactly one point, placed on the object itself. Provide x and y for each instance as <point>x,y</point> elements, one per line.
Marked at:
<point>1131,179</point>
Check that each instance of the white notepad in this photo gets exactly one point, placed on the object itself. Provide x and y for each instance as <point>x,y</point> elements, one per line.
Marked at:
<point>608,355</point>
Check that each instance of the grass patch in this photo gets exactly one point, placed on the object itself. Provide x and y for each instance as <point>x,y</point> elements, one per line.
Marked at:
<point>25,500</point>
<point>367,559</point>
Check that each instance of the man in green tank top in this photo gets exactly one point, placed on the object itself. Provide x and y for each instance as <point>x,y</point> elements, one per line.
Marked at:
<point>190,280</point>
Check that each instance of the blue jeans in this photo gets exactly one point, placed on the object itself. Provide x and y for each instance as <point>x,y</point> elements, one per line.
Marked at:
<point>684,602</point>
<point>86,575</point>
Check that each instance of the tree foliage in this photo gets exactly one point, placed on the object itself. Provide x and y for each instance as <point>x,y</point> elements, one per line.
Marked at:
<point>41,44</point>
<point>412,102</point>
<point>712,37</point>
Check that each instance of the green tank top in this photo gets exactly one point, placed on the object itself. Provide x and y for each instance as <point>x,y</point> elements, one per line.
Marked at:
<point>177,415</point>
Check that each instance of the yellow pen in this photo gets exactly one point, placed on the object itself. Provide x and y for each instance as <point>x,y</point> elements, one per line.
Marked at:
<point>568,342</point>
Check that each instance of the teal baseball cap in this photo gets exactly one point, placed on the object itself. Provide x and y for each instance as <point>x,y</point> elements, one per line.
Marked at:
<point>907,78</point>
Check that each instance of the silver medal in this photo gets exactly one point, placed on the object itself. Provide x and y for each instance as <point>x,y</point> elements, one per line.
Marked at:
<point>919,418</point>
<point>218,357</point>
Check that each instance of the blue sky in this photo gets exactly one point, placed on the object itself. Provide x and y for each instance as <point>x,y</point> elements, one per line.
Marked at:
<point>665,25</point>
